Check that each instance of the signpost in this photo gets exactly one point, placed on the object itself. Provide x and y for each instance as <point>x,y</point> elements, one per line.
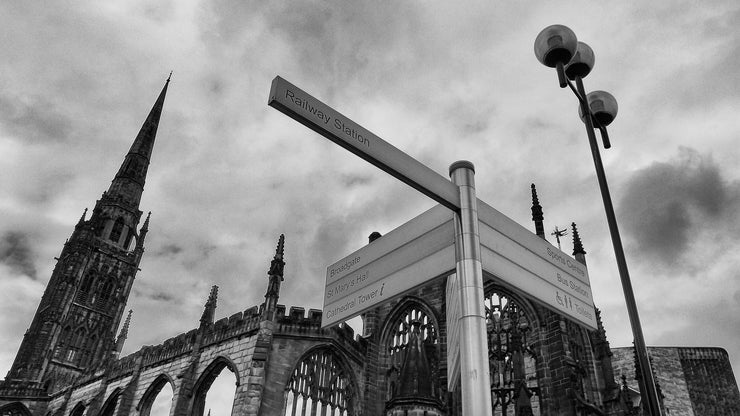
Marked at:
<point>479,241</point>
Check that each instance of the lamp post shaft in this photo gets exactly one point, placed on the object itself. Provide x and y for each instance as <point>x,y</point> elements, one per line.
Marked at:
<point>646,373</point>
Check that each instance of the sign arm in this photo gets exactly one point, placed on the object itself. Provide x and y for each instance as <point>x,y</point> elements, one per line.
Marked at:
<point>307,110</point>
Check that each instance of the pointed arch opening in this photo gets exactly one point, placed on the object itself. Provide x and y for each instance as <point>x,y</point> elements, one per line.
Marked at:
<point>320,384</point>
<point>409,314</point>
<point>109,407</point>
<point>157,399</point>
<point>216,388</point>
<point>78,410</point>
<point>510,326</point>
<point>14,409</point>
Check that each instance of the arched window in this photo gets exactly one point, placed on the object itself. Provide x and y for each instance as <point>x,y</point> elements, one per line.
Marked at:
<point>105,293</point>
<point>87,284</point>
<point>117,230</point>
<point>398,333</point>
<point>213,376</point>
<point>59,353</point>
<point>109,407</point>
<point>75,347</point>
<point>157,399</point>
<point>78,410</point>
<point>511,361</point>
<point>320,384</point>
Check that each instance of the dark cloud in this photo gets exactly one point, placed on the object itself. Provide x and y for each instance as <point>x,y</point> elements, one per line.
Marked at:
<point>15,251</point>
<point>153,295</point>
<point>169,250</point>
<point>667,203</point>
<point>34,120</point>
<point>355,180</point>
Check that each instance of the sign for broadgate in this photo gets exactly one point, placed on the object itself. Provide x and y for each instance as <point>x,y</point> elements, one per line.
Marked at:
<point>410,255</point>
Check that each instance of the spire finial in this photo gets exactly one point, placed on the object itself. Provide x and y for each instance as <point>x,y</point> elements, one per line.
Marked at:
<point>209,310</point>
<point>277,264</point>
<point>82,218</point>
<point>142,232</point>
<point>124,332</point>
<point>537,215</point>
<point>578,252</point>
<point>169,77</point>
<point>145,227</point>
<point>577,245</point>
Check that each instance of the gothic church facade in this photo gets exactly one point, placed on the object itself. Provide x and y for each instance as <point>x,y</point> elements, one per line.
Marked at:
<point>68,363</point>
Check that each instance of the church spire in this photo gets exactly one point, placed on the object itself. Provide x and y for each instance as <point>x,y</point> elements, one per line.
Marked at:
<point>537,215</point>
<point>128,183</point>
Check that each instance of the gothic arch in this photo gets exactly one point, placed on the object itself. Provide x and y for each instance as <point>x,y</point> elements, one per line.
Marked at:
<point>395,334</point>
<point>78,410</point>
<point>323,380</point>
<point>147,400</point>
<point>406,305</point>
<point>109,407</point>
<point>206,379</point>
<point>14,409</point>
<point>513,332</point>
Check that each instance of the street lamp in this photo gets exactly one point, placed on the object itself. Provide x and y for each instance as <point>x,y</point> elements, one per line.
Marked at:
<point>557,47</point>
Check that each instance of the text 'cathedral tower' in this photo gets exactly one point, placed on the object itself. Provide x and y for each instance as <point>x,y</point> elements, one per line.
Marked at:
<point>75,325</point>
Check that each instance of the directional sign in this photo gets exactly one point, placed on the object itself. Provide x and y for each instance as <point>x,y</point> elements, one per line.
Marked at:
<point>410,255</point>
<point>530,265</point>
<point>331,124</point>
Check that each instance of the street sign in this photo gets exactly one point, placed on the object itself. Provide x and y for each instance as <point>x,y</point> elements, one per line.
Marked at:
<point>331,124</point>
<point>414,253</point>
<point>530,265</point>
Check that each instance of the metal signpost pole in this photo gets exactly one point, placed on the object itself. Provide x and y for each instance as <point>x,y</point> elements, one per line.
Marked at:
<point>474,374</point>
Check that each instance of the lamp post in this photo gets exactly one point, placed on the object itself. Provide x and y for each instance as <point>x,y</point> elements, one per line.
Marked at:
<point>557,47</point>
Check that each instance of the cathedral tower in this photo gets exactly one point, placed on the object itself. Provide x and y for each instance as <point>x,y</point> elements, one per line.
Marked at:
<point>75,325</point>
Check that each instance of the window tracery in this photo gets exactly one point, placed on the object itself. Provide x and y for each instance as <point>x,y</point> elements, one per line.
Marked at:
<point>397,342</point>
<point>319,385</point>
<point>117,230</point>
<point>511,360</point>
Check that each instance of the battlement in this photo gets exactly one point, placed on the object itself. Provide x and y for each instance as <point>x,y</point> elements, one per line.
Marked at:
<point>297,323</point>
<point>22,389</point>
<point>235,325</point>
<point>703,353</point>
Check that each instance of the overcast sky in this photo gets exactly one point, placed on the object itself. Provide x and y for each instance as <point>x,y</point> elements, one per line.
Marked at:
<point>442,81</point>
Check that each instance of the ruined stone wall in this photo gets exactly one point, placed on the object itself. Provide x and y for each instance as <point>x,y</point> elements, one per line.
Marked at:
<point>693,381</point>
<point>710,381</point>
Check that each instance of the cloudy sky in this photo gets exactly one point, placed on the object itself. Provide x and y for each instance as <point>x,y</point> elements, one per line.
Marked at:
<point>442,81</point>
